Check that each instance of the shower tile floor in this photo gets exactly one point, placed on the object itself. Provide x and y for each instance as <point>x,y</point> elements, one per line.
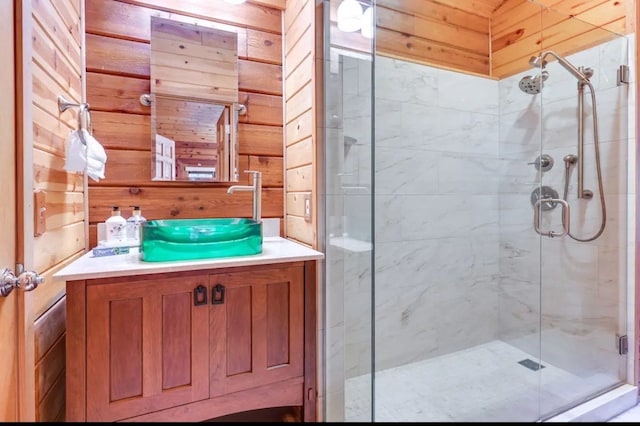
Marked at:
<point>483,383</point>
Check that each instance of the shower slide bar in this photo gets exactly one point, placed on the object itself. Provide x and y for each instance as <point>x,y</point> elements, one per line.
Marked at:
<point>565,214</point>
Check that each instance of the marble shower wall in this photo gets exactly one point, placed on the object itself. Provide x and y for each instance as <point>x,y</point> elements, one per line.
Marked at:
<point>457,262</point>
<point>437,176</point>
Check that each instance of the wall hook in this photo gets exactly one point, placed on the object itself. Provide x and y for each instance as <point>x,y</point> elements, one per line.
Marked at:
<point>145,99</point>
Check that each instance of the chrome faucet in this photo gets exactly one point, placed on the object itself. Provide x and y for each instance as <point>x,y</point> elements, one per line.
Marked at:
<point>256,188</point>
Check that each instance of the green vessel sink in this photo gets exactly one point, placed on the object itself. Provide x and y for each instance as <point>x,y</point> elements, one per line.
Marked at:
<point>188,239</point>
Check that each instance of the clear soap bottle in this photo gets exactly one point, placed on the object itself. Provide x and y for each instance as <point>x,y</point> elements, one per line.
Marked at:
<point>116,226</point>
<point>134,225</point>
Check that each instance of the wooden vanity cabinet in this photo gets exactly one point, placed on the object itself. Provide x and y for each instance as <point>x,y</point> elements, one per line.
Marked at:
<point>191,346</point>
<point>257,332</point>
<point>147,346</point>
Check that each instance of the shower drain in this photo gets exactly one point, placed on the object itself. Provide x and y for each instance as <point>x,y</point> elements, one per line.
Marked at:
<point>531,364</point>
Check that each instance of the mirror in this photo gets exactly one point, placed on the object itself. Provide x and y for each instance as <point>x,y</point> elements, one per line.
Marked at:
<point>194,103</point>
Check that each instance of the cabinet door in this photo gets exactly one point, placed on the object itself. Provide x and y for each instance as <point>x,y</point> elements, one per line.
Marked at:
<point>147,346</point>
<point>256,328</point>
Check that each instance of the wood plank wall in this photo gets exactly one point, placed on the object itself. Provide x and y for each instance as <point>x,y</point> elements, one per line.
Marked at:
<point>118,58</point>
<point>192,62</point>
<point>435,33</point>
<point>493,38</point>
<point>50,368</point>
<point>452,35</point>
<point>520,29</point>
<point>56,69</point>
<point>300,120</point>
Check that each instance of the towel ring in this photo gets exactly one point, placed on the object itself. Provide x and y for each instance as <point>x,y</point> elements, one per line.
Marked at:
<point>84,115</point>
<point>86,112</point>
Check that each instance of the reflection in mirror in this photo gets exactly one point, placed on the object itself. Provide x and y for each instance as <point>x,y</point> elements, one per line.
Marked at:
<point>194,102</point>
<point>191,140</point>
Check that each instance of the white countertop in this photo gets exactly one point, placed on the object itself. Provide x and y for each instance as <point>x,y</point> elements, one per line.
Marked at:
<point>274,250</point>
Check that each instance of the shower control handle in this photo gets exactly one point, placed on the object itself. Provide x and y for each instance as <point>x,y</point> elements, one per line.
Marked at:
<point>566,217</point>
<point>544,162</point>
<point>540,162</point>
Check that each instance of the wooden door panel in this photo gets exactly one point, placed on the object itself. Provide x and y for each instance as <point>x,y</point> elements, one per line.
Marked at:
<point>176,340</point>
<point>125,349</point>
<point>277,324</point>
<point>238,300</point>
<point>147,346</point>
<point>257,334</point>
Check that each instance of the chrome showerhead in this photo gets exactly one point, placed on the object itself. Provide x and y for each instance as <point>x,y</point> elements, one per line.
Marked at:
<point>533,85</point>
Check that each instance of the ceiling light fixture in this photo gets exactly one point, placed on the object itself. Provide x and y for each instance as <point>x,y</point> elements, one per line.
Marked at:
<point>367,23</point>
<point>349,16</point>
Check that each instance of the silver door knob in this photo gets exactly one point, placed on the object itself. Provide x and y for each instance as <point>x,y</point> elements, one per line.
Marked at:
<point>27,280</point>
<point>8,281</point>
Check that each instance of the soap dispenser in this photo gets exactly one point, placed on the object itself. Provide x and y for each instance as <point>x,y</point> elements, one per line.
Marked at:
<point>116,226</point>
<point>134,225</point>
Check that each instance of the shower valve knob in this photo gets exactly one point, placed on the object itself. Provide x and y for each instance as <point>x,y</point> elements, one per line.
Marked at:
<point>540,162</point>
<point>544,162</point>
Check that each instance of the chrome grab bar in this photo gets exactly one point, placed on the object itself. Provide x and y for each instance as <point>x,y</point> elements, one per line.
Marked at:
<point>565,213</point>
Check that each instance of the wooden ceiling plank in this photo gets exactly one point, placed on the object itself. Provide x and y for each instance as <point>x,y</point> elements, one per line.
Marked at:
<point>442,32</point>
<point>513,45</point>
<point>436,11</point>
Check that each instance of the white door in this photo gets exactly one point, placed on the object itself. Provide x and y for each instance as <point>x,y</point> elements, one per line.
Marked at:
<point>165,166</point>
<point>8,256</point>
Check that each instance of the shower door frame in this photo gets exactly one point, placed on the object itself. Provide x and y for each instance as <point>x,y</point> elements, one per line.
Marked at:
<point>636,287</point>
<point>569,352</point>
<point>633,314</point>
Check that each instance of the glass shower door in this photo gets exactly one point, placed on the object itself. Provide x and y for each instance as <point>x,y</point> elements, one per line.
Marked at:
<point>443,303</point>
<point>348,217</point>
<point>584,273</point>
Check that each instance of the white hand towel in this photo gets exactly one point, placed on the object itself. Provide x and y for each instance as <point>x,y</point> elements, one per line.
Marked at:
<point>76,153</point>
<point>80,157</point>
<point>96,157</point>
<point>95,169</point>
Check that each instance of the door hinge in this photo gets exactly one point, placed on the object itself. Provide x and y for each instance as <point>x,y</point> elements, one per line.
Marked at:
<point>623,345</point>
<point>623,75</point>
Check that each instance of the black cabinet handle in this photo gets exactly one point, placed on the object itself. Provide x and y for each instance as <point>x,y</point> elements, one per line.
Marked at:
<point>200,295</point>
<point>217,297</point>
